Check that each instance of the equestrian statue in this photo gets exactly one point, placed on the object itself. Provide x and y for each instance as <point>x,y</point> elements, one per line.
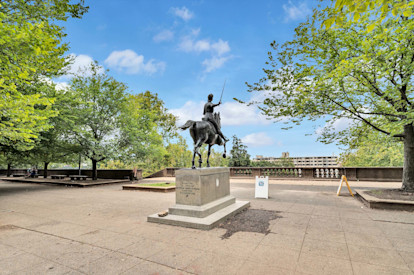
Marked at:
<point>206,131</point>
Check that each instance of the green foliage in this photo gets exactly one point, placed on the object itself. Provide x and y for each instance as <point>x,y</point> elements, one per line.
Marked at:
<point>178,154</point>
<point>352,10</point>
<point>51,146</point>
<point>374,150</point>
<point>114,164</point>
<point>238,154</point>
<point>97,114</point>
<point>31,50</point>
<point>343,73</point>
<point>283,162</point>
<point>148,127</point>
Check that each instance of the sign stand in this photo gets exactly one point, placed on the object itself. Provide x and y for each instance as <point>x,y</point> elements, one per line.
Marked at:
<point>343,178</point>
<point>262,187</point>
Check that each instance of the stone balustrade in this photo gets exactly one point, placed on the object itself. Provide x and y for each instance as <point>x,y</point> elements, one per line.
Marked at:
<point>309,173</point>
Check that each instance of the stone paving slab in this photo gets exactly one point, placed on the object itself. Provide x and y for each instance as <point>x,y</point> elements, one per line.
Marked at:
<point>47,229</point>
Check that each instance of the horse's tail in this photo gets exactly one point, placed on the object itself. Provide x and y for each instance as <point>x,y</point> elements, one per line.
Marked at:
<point>187,125</point>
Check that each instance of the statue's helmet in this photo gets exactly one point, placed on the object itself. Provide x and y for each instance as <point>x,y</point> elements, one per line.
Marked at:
<point>210,97</point>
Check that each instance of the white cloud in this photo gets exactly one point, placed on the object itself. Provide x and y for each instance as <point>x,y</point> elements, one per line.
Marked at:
<point>216,49</point>
<point>201,46</point>
<point>337,126</point>
<point>80,62</point>
<point>61,85</point>
<point>232,113</point>
<point>214,63</point>
<point>130,62</point>
<point>183,13</point>
<point>296,12</point>
<point>165,35</point>
<point>257,140</point>
<point>58,85</point>
<point>190,44</point>
<point>221,47</point>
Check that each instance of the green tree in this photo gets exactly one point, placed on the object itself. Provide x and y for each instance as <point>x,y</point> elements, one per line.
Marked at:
<point>238,154</point>
<point>148,127</point>
<point>11,157</point>
<point>51,146</point>
<point>31,50</point>
<point>283,162</point>
<point>97,116</point>
<point>178,154</point>
<point>348,72</point>
<point>374,150</point>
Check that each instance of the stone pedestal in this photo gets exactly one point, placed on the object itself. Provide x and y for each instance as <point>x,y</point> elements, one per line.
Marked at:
<point>202,199</point>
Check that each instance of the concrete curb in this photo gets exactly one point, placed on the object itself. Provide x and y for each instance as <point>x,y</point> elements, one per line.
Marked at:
<point>375,203</point>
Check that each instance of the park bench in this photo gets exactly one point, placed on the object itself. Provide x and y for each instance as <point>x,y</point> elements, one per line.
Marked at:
<point>77,177</point>
<point>58,177</point>
<point>18,175</point>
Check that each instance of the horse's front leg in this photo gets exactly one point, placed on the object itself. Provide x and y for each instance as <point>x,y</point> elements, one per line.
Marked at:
<point>200,161</point>
<point>197,146</point>
<point>192,162</point>
<point>208,155</point>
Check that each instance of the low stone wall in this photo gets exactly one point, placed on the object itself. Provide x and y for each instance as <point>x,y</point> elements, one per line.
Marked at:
<point>316,173</point>
<point>102,173</point>
<point>167,172</point>
<point>309,173</point>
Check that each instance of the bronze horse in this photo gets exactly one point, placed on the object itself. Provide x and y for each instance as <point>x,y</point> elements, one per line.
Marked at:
<point>203,132</point>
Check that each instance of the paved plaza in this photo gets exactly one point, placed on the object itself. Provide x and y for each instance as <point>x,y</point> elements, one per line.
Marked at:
<point>49,229</point>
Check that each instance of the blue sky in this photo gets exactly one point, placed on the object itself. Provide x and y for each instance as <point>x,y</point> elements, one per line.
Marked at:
<point>184,50</point>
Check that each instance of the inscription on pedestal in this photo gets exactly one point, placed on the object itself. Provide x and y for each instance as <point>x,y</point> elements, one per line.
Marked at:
<point>201,186</point>
<point>188,191</point>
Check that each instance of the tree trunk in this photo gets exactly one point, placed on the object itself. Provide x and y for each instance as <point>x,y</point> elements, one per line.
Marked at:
<point>94,170</point>
<point>45,169</point>
<point>408,171</point>
<point>8,169</point>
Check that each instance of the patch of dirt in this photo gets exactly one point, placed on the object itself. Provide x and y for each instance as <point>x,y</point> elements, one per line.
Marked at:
<point>250,220</point>
<point>392,194</point>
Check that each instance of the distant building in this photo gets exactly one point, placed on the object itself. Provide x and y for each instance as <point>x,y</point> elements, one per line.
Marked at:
<point>323,161</point>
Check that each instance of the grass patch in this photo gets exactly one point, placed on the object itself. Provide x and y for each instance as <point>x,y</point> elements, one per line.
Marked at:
<point>159,184</point>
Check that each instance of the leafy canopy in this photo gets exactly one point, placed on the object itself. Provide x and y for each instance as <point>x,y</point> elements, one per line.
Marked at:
<point>238,154</point>
<point>31,51</point>
<point>374,150</point>
<point>345,10</point>
<point>96,122</point>
<point>361,77</point>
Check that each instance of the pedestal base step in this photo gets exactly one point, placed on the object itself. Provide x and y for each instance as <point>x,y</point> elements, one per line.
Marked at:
<point>203,210</point>
<point>205,223</point>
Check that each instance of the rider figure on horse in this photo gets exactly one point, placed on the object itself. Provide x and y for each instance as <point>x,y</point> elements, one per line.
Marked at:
<point>208,115</point>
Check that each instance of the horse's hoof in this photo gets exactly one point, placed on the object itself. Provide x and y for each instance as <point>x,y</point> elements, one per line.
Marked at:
<point>193,167</point>
<point>224,155</point>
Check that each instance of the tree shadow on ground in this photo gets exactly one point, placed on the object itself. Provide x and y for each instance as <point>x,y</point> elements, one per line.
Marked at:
<point>16,187</point>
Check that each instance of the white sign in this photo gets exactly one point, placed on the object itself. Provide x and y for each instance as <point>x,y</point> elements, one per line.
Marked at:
<point>262,187</point>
